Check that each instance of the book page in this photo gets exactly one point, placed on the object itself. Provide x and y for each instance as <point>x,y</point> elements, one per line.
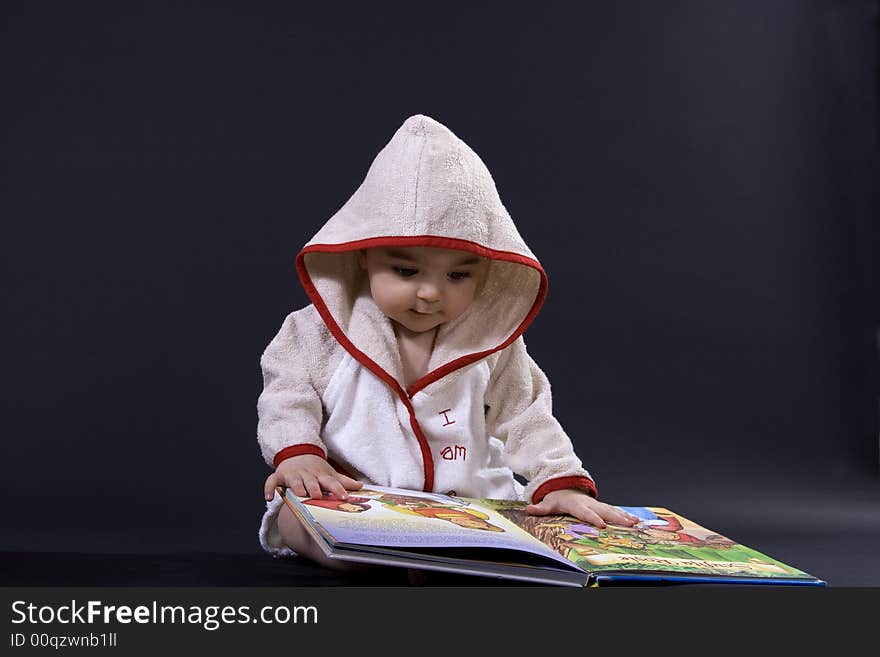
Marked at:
<point>663,542</point>
<point>392,517</point>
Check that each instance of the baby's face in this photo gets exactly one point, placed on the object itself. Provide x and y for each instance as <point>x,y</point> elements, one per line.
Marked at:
<point>421,287</point>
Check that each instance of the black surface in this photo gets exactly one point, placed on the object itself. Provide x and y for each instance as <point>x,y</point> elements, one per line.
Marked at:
<point>201,569</point>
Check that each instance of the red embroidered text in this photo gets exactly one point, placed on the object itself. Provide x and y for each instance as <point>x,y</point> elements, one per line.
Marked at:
<point>454,452</point>
<point>446,417</point>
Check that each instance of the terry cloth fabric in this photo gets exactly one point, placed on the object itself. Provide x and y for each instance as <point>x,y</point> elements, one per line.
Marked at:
<point>333,379</point>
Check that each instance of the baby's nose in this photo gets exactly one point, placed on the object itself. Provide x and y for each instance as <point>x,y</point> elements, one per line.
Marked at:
<point>428,292</point>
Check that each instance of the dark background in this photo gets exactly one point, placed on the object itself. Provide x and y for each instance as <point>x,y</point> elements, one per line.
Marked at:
<point>697,178</point>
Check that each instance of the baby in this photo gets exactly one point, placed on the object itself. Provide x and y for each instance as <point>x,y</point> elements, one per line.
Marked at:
<point>409,368</point>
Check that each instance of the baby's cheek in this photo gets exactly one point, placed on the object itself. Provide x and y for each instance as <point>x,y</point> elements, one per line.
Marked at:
<point>464,299</point>
<point>388,297</point>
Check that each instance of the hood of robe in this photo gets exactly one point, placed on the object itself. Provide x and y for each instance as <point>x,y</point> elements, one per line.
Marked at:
<point>426,187</point>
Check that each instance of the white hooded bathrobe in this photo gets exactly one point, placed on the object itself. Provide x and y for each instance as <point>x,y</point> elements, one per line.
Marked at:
<point>333,383</point>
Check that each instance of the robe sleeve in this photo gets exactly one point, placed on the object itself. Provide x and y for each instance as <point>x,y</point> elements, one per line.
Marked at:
<point>289,408</point>
<point>520,414</point>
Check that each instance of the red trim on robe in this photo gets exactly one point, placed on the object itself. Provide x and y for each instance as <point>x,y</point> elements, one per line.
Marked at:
<point>560,483</point>
<point>298,450</point>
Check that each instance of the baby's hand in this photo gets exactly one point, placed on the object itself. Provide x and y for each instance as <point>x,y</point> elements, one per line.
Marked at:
<point>308,475</point>
<point>582,506</point>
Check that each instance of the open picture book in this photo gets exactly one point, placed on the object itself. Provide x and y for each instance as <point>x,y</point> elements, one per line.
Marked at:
<point>496,538</point>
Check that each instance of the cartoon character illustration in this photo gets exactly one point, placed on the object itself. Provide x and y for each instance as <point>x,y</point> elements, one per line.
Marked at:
<point>551,530</point>
<point>350,505</point>
<point>718,541</point>
<point>456,511</point>
<point>463,517</point>
<point>668,530</point>
<point>423,499</point>
<point>615,539</point>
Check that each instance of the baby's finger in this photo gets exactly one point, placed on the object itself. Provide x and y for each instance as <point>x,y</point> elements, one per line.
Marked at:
<point>269,487</point>
<point>298,488</point>
<point>333,486</point>
<point>589,515</point>
<point>619,517</point>
<point>313,488</point>
<point>349,483</point>
<point>539,509</point>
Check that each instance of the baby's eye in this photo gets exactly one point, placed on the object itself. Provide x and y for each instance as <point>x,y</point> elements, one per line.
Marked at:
<point>405,272</point>
<point>459,275</point>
